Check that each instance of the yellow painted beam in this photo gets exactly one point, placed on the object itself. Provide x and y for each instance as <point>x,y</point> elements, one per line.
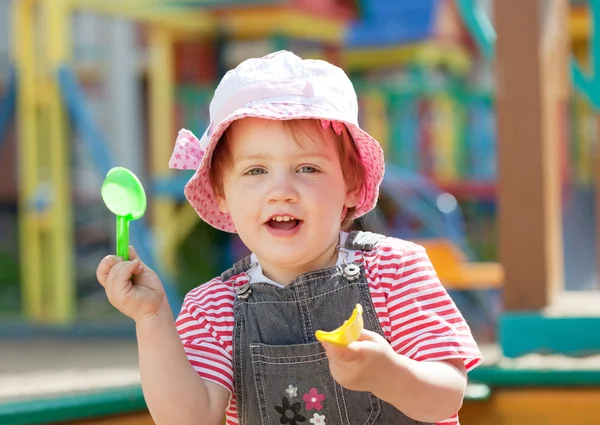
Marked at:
<point>60,232</point>
<point>265,22</point>
<point>375,117</point>
<point>580,24</point>
<point>162,135</point>
<point>183,223</point>
<point>456,272</point>
<point>456,58</point>
<point>23,18</point>
<point>540,406</point>
<point>185,20</point>
<point>137,418</point>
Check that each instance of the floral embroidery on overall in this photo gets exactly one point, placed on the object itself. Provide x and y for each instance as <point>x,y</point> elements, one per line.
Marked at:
<point>292,391</point>
<point>318,419</point>
<point>313,399</point>
<point>289,413</point>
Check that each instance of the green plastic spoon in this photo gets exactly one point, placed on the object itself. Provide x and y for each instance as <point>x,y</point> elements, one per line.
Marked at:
<point>124,196</point>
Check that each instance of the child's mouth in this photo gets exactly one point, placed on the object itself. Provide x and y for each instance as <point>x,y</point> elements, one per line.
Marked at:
<point>284,226</point>
<point>288,224</point>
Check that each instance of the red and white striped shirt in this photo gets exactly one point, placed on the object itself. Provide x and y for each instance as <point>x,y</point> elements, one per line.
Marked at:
<point>418,317</point>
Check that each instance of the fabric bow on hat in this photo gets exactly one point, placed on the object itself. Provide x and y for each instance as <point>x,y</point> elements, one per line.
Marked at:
<point>187,153</point>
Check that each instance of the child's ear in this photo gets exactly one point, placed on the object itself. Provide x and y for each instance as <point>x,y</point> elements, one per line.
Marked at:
<point>222,203</point>
<point>351,198</point>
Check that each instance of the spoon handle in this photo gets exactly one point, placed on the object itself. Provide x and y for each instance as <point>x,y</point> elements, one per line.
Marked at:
<point>123,237</point>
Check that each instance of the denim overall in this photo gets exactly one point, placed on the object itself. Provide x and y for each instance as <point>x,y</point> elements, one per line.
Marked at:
<point>281,371</point>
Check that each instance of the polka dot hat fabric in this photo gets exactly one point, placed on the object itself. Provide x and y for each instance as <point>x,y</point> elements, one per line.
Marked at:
<point>279,86</point>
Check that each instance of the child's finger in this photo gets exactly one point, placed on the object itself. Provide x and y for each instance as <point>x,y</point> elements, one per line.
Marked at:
<point>133,255</point>
<point>367,335</point>
<point>122,272</point>
<point>339,352</point>
<point>139,270</point>
<point>104,268</point>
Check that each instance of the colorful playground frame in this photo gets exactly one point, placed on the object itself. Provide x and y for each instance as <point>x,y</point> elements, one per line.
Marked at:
<point>40,214</point>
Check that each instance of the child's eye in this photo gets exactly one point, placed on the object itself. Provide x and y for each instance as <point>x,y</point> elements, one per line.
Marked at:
<point>307,169</point>
<point>255,171</point>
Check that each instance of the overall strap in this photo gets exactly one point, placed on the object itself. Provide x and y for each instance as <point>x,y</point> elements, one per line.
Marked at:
<point>241,266</point>
<point>362,241</point>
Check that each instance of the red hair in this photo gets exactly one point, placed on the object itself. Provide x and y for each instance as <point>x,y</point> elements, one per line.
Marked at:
<point>352,167</point>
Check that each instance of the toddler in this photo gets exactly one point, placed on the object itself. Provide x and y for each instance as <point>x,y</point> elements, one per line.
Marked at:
<point>285,165</point>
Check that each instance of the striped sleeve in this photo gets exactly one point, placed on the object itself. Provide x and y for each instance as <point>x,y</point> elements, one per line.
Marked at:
<point>206,349</point>
<point>425,324</point>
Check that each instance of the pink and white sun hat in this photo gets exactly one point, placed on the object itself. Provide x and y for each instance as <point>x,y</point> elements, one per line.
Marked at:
<point>279,86</point>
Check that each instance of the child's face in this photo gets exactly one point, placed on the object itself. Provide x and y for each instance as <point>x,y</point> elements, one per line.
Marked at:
<point>277,177</point>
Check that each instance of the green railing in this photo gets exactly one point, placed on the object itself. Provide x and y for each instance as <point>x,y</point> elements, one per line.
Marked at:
<point>110,402</point>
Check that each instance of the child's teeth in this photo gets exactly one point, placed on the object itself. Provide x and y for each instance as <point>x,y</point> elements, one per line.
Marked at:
<point>284,218</point>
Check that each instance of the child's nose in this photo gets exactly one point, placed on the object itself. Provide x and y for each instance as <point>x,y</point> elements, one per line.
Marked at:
<point>283,190</point>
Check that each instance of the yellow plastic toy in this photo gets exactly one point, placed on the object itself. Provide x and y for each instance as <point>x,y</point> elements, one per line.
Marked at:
<point>348,332</point>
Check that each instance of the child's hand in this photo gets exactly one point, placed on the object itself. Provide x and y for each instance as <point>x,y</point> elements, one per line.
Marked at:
<point>360,365</point>
<point>131,286</point>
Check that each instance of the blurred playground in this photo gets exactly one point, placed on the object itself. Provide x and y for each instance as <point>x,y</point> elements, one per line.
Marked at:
<point>487,112</point>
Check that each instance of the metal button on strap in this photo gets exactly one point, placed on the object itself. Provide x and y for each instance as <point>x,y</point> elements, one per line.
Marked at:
<point>351,272</point>
<point>243,291</point>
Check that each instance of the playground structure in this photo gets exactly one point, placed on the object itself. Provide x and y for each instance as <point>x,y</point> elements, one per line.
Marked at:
<point>439,128</point>
<point>496,398</point>
<point>435,147</point>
